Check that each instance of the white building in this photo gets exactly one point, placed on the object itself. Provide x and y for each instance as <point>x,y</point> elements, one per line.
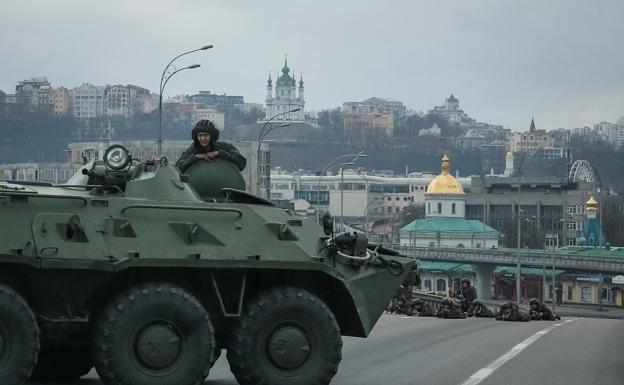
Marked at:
<point>285,97</point>
<point>451,111</point>
<point>355,193</point>
<point>216,117</point>
<point>88,101</point>
<point>611,132</point>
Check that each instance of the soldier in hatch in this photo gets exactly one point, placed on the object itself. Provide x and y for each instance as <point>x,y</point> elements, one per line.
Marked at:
<point>206,147</point>
<point>540,312</point>
<point>510,311</point>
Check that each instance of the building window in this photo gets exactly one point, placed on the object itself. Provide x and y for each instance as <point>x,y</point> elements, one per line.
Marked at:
<point>427,284</point>
<point>586,294</point>
<point>428,208</point>
<point>440,285</point>
<point>453,208</point>
<point>439,208</point>
<point>570,291</point>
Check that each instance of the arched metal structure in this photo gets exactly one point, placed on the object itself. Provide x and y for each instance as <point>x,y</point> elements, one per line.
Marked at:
<point>582,171</point>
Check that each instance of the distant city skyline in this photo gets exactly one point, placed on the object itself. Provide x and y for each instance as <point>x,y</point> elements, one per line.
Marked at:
<point>505,61</point>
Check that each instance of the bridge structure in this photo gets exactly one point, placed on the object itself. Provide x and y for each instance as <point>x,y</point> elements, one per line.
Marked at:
<point>587,259</point>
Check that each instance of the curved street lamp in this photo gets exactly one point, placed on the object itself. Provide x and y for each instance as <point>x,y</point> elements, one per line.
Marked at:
<point>327,167</point>
<point>168,72</point>
<point>261,136</point>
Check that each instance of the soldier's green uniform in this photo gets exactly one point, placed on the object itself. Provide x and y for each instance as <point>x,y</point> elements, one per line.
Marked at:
<point>468,294</point>
<point>225,150</point>
<point>510,311</point>
<point>540,312</point>
<point>450,308</point>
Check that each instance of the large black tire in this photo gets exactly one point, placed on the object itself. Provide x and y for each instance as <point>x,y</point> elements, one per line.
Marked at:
<point>156,334</point>
<point>19,338</point>
<point>62,364</point>
<point>286,336</point>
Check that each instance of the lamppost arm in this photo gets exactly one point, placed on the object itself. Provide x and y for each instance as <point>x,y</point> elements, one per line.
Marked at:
<point>162,77</point>
<point>163,82</point>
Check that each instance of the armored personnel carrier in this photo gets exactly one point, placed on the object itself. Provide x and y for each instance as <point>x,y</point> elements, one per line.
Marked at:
<point>146,275</point>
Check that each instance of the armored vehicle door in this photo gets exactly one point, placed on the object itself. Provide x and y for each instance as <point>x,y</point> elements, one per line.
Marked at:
<point>67,236</point>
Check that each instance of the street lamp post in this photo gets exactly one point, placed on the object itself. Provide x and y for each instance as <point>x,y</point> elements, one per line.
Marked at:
<point>518,271</point>
<point>168,72</point>
<point>367,211</point>
<point>327,167</point>
<point>258,157</point>
<point>261,136</point>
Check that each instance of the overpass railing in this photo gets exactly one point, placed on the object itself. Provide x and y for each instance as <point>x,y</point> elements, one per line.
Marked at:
<point>560,259</point>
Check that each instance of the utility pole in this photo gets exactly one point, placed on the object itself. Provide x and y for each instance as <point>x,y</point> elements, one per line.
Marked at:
<point>518,268</point>
<point>554,290</point>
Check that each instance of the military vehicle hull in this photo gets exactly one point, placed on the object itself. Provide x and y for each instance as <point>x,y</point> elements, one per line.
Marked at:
<point>87,259</point>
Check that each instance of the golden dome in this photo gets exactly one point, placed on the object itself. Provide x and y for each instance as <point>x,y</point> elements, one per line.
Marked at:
<point>592,204</point>
<point>509,155</point>
<point>445,183</point>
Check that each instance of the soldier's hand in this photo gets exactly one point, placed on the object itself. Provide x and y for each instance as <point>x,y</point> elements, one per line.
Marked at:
<point>201,156</point>
<point>212,154</point>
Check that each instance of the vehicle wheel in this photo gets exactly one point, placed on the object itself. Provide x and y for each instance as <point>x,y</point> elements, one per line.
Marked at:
<point>286,336</point>
<point>62,364</point>
<point>156,334</point>
<point>19,338</point>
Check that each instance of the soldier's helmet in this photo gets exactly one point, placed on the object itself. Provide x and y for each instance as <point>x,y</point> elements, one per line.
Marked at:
<point>533,301</point>
<point>477,302</point>
<point>466,280</point>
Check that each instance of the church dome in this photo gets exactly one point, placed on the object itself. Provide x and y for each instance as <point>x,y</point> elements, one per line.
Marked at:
<point>445,183</point>
<point>592,205</point>
<point>286,80</point>
<point>509,155</point>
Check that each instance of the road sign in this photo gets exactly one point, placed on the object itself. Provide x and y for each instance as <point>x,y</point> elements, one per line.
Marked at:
<point>618,280</point>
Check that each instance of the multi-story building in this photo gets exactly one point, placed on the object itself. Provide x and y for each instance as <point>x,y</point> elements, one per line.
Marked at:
<point>551,208</point>
<point>285,98</point>
<point>353,193</point>
<point>140,101</point>
<point>117,101</point>
<point>434,130</point>
<point>217,117</point>
<point>530,141</point>
<point>88,101</point>
<point>62,101</point>
<point>451,111</point>
<point>34,94</point>
<point>612,132</point>
<point>377,106</point>
<point>209,99</point>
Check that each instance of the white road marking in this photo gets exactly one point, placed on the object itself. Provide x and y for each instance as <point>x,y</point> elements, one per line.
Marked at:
<point>483,373</point>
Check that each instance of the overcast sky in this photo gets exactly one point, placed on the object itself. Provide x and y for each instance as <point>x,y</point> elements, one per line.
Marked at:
<point>561,61</point>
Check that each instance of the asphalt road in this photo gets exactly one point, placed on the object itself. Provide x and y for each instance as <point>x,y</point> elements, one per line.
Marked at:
<point>414,351</point>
